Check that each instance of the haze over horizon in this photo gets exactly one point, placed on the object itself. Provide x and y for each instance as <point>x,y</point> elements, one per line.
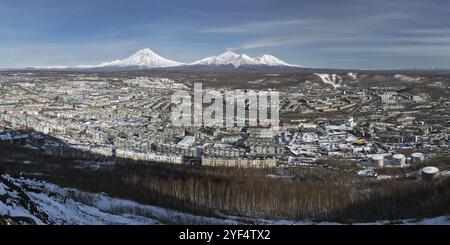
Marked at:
<point>364,34</point>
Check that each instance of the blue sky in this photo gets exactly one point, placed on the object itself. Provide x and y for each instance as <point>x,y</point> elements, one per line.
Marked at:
<point>321,33</point>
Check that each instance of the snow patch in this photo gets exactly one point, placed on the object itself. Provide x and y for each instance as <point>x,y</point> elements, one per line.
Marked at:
<point>406,78</point>
<point>369,172</point>
<point>2,189</point>
<point>332,79</point>
<point>353,75</point>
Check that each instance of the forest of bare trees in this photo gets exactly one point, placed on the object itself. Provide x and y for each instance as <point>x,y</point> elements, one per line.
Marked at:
<point>294,193</point>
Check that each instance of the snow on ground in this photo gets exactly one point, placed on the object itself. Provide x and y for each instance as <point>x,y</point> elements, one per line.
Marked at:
<point>442,220</point>
<point>73,212</point>
<point>2,189</point>
<point>353,75</point>
<point>445,173</point>
<point>32,200</point>
<point>332,79</point>
<point>406,78</point>
<point>46,203</point>
<point>385,177</point>
<point>71,206</point>
<point>367,172</point>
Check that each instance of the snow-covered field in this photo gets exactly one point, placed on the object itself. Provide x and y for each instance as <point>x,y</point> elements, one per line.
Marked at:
<point>43,203</point>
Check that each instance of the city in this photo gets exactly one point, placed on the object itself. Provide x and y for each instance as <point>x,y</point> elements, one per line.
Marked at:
<point>224,121</point>
<point>130,117</point>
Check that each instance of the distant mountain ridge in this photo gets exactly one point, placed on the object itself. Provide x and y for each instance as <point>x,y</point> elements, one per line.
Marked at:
<point>231,58</point>
<point>147,58</point>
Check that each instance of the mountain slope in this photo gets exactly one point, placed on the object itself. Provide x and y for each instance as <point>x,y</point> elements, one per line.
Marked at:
<point>227,58</point>
<point>145,58</point>
<point>271,61</point>
<point>236,60</point>
<point>27,201</point>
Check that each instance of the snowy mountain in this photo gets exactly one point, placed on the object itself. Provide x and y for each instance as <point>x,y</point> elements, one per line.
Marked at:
<point>145,58</point>
<point>231,58</point>
<point>270,60</point>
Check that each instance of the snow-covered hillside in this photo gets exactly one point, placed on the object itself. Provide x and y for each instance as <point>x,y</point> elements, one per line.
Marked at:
<point>332,79</point>
<point>25,201</point>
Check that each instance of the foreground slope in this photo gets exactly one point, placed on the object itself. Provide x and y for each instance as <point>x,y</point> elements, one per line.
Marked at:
<point>26,201</point>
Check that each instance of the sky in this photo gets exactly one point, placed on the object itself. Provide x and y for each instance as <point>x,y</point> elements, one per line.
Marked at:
<point>367,34</point>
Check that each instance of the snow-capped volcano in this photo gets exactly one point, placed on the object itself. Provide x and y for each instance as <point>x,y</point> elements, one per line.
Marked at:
<point>143,58</point>
<point>227,58</point>
<point>231,58</point>
<point>271,60</point>
<point>146,58</point>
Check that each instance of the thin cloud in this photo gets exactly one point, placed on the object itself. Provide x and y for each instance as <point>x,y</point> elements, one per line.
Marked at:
<point>255,26</point>
<point>436,31</point>
<point>392,50</point>
<point>269,42</point>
